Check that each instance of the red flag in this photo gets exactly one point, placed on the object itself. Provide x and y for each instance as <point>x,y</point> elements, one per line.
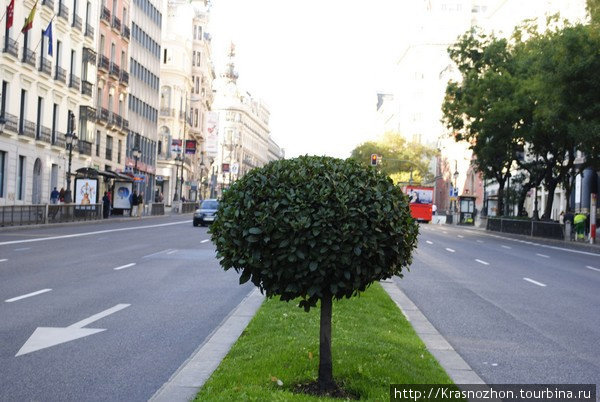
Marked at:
<point>10,10</point>
<point>29,21</point>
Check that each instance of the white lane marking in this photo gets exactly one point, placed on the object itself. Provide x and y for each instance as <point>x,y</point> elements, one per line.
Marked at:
<point>158,252</point>
<point>482,262</point>
<point>542,255</point>
<point>4,259</point>
<point>23,249</point>
<point>172,251</point>
<point>460,236</point>
<point>91,233</point>
<point>535,282</point>
<point>479,241</point>
<point>124,266</point>
<point>205,241</point>
<point>428,242</point>
<point>508,247</point>
<point>592,268</point>
<point>39,292</point>
<point>449,249</point>
<point>444,232</point>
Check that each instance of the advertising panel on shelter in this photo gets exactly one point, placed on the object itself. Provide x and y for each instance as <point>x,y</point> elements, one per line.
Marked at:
<point>86,191</point>
<point>122,194</point>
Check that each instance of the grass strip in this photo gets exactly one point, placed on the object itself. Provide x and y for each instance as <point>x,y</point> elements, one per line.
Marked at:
<point>373,346</point>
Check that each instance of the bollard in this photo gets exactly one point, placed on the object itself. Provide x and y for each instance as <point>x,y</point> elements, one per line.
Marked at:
<point>567,230</point>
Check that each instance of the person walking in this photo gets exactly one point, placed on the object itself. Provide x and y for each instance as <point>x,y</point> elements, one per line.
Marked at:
<point>133,200</point>
<point>54,195</point>
<point>105,205</point>
<point>140,206</point>
<point>61,195</point>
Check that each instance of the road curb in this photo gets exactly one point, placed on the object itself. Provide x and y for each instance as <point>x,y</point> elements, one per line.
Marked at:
<point>458,370</point>
<point>185,383</point>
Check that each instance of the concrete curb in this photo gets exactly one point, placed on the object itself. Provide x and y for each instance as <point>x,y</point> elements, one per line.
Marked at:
<point>193,373</point>
<point>458,370</point>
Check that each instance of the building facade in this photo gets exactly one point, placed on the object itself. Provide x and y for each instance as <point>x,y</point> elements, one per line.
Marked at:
<point>44,78</point>
<point>143,98</point>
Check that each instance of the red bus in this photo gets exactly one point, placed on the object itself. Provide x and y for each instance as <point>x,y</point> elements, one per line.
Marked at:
<point>421,202</point>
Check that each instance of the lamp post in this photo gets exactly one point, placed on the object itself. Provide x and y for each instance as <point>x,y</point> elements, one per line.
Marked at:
<point>70,138</point>
<point>182,159</point>
<point>135,152</point>
<point>455,189</point>
<point>176,195</point>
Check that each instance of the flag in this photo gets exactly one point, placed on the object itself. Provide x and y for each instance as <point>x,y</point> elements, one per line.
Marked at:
<point>29,21</point>
<point>10,10</point>
<point>48,33</point>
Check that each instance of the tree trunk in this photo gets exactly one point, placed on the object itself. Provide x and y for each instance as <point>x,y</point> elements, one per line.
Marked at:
<point>551,186</point>
<point>325,380</point>
<point>521,201</point>
<point>500,210</point>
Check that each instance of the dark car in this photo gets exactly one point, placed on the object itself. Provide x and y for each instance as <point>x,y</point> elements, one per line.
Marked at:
<point>206,213</point>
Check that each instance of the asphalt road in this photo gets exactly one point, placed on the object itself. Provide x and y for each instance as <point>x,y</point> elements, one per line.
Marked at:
<point>153,285</point>
<point>517,311</point>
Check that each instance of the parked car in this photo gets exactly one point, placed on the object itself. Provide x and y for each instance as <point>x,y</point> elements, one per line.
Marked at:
<point>206,213</point>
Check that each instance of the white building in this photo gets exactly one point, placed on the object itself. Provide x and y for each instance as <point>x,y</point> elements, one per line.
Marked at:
<point>244,133</point>
<point>186,91</point>
<point>38,90</point>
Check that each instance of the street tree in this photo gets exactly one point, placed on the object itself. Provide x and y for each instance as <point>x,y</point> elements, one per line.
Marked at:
<point>317,229</point>
<point>484,107</point>
<point>400,159</point>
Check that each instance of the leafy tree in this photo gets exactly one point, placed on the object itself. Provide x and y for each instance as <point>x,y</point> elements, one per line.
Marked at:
<point>593,9</point>
<point>314,228</point>
<point>485,108</point>
<point>399,158</point>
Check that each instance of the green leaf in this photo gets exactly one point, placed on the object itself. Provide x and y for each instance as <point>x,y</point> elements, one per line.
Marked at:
<point>313,266</point>
<point>357,250</point>
<point>245,276</point>
<point>255,230</point>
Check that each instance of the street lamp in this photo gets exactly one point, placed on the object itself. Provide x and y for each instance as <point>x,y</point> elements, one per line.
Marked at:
<point>177,160</point>
<point>70,139</point>
<point>135,152</point>
<point>455,190</point>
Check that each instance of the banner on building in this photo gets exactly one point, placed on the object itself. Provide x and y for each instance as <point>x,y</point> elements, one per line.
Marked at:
<point>86,191</point>
<point>190,147</point>
<point>122,194</point>
<point>212,135</point>
<point>176,146</point>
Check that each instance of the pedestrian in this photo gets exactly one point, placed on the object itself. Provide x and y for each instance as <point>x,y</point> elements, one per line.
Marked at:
<point>54,195</point>
<point>140,206</point>
<point>561,218</point>
<point>182,198</point>
<point>61,195</point>
<point>105,205</point>
<point>160,197</point>
<point>133,200</point>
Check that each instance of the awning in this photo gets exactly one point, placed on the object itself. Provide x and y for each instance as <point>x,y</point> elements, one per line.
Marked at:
<point>87,172</point>
<point>108,174</point>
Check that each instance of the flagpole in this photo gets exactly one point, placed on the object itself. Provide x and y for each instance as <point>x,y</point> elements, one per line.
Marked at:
<point>42,38</point>
<point>4,15</point>
<point>33,8</point>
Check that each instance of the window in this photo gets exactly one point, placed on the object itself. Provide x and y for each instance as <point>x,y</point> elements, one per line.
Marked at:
<point>22,111</point>
<point>2,170</point>
<point>194,58</point>
<point>54,122</point>
<point>97,142</point>
<point>40,109</point>
<point>21,178</point>
<point>102,43</point>
<point>165,57</point>
<point>4,98</point>
<point>119,147</point>
<point>109,146</point>
<point>58,52</point>
<point>198,59</point>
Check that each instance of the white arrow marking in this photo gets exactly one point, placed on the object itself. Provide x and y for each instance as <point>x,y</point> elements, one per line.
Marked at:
<point>428,242</point>
<point>449,249</point>
<point>45,337</point>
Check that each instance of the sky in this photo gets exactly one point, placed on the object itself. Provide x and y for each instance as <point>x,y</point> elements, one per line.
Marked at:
<point>317,64</point>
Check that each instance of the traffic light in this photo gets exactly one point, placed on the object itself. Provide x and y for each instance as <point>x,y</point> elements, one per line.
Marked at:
<point>373,159</point>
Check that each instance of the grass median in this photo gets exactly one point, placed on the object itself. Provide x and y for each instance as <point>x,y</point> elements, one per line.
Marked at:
<point>373,346</point>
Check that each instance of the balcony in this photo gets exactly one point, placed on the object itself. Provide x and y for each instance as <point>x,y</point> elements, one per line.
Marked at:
<point>103,63</point>
<point>87,113</point>
<point>109,154</point>
<point>114,69</point>
<point>63,11</point>
<point>126,33</point>
<point>116,23</point>
<point>29,57</point>
<point>77,23</point>
<point>58,139</point>
<point>86,88</point>
<point>89,31</point>
<point>105,15</point>
<point>124,77</point>
<point>45,66</point>
<point>125,125</point>
<point>112,120</point>
<point>49,4</point>
<point>27,129</point>
<point>74,82</point>
<point>102,115</point>
<point>12,122</point>
<point>45,135</point>
<point>84,147</point>
<point>11,47</point>
<point>117,119</point>
<point>60,75</point>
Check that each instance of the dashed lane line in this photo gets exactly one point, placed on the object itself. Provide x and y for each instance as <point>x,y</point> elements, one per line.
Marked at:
<point>205,241</point>
<point>172,251</point>
<point>124,266</point>
<point>3,259</point>
<point>542,255</point>
<point>39,292</point>
<point>507,247</point>
<point>592,268</point>
<point>460,236</point>
<point>450,250</point>
<point>158,252</point>
<point>535,282</point>
<point>482,262</point>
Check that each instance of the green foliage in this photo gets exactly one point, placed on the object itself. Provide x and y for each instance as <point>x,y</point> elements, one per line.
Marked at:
<point>593,9</point>
<point>313,227</point>
<point>399,158</point>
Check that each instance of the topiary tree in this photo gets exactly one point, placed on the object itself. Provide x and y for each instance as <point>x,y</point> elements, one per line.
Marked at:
<point>314,228</point>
